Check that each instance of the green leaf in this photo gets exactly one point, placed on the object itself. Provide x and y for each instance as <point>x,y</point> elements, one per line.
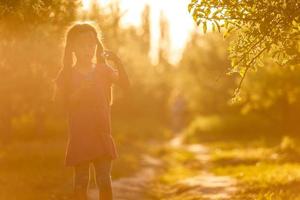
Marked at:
<point>195,17</point>
<point>198,22</point>
<point>226,24</point>
<point>190,6</point>
<point>205,27</point>
<point>219,28</point>
<point>213,27</point>
<point>242,71</point>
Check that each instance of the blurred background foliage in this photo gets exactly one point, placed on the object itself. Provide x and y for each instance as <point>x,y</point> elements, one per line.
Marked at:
<point>261,29</point>
<point>264,51</point>
<point>192,96</point>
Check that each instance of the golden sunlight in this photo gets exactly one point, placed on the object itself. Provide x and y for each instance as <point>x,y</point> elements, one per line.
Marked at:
<point>180,22</point>
<point>86,4</point>
<point>200,93</point>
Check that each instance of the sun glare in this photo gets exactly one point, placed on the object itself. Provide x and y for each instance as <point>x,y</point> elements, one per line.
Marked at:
<point>181,23</point>
<point>85,4</point>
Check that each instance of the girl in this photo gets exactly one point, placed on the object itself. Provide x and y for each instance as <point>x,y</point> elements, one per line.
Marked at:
<point>86,90</point>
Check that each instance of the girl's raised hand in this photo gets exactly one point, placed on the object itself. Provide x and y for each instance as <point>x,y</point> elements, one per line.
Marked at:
<point>111,56</point>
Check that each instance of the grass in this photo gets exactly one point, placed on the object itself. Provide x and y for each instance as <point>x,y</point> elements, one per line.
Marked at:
<point>33,169</point>
<point>179,165</point>
<point>32,166</point>
<point>176,169</point>
<point>263,171</point>
<point>266,165</point>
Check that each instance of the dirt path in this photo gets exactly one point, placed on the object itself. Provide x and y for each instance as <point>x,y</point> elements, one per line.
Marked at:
<point>204,186</point>
<point>134,187</point>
